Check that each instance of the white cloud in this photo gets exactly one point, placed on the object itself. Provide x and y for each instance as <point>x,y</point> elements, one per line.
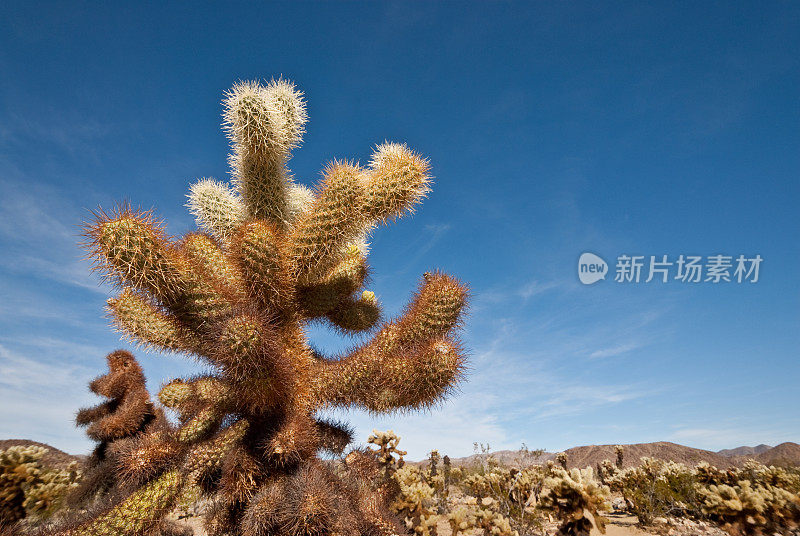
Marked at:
<point>36,239</point>
<point>451,428</point>
<point>615,350</point>
<point>40,396</point>
<point>535,288</point>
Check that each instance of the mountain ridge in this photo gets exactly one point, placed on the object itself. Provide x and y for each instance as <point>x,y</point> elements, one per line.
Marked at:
<point>787,453</point>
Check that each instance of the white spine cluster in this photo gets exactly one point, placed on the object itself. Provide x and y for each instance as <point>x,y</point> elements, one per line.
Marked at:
<point>216,208</point>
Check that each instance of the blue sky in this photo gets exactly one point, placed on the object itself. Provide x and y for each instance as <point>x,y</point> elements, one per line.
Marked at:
<point>553,129</point>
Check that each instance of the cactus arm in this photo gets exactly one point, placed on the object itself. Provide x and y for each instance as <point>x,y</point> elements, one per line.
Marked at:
<point>354,316</point>
<point>333,436</point>
<point>398,179</point>
<point>141,322</point>
<point>411,362</point>
<point>264,123</point>
<point>86,416</point>
<point>320,235</point>
<point>131,249</point>
<point>382,383</point>
<point>129,415</point>
<point>216,208</point>
<point>140,512</point>
<point>343,280</point>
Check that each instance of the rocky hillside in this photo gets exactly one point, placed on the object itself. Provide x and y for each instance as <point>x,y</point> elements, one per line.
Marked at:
<point>784,454</point>
<point>745,451</point>
<point>591,455</point>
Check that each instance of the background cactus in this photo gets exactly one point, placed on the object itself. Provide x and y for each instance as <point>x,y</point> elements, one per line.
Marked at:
<point>29,490</point>
<point>19,469</point>
<point>126,414</point>
<point>388,455</point>
<point>416,501</point>
<point>271,257</point>
<point>751,508</point>
<point>571,496</point>
<point>656,488</point>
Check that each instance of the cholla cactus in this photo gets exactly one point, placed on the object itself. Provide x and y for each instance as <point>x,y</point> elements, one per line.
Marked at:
<point>512,495</point>
<point>606,471</point>
<point>19,469</point>
<point>573,494</point>
<point>416,501</point>
<point>271,258</point>
<point>388,455</point>
<point>433,462</point>
<point>53,487</point>
<point>461,519</point>
<point>29,490</point>
<point>751,509</point>
<point>126,414</point>
<point>706,473</point>
<point>561,459</point>
<point>480,514</point>
<point>619,450</point>
<point>657,488</point>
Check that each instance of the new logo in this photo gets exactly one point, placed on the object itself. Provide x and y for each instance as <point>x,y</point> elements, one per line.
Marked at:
<point>591,268</point>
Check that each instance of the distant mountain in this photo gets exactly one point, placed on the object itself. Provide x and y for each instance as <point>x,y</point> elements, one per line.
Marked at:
<point>744,451</point>
<point>54,458</point>
<point>663,450</point>
<point>784,454</point>
<point>591,455</point>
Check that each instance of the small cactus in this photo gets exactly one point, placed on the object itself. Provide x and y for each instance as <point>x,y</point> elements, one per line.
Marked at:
<point>619,450</point>
<point>28,490</point>
<point>388,455</point>
<point>748,508</point>
<point>571,496</point>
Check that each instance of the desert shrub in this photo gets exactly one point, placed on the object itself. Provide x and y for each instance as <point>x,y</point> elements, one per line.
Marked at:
<point>570,496</point>
<point>658,488</point>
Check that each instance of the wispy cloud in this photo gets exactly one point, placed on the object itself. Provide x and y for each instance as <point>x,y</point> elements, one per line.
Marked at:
<point>36,239</point>
<point>40,396</point>
<point>534,288</point>
<point>614,351</point>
